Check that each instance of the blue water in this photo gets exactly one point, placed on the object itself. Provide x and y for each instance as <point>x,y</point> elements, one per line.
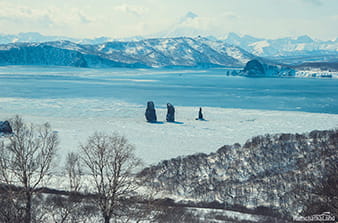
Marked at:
<point>179,87</point>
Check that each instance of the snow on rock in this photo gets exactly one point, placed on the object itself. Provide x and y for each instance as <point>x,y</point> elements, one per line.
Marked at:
<point>258,47</point>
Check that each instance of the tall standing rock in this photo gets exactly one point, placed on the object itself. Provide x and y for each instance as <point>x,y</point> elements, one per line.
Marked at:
<point>170,113</point>
<point>200,115</point>
<point>5,128</point>
<point>150,112</point>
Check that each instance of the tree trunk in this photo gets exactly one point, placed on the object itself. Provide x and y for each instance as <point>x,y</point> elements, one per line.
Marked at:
<point>106,219</point>
<point>28,208</point>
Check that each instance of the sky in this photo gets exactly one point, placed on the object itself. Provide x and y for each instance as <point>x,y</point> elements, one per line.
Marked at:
<point>127,18</point>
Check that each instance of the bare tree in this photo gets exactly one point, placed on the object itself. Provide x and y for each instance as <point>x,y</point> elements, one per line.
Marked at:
<point>67,208</point>
<point>26,159</point>
<point>323,194</point>
<point>74,171</point>
<point>111,161</point>
<point>11,205</point>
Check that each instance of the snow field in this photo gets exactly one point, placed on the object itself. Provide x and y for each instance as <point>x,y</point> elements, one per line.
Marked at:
<point>75,120</point>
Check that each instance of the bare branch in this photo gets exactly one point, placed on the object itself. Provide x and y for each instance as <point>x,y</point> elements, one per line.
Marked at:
<point>26,158</point>
<point>110,161</point>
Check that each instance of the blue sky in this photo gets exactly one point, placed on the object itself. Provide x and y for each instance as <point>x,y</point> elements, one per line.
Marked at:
<point>124,18</point>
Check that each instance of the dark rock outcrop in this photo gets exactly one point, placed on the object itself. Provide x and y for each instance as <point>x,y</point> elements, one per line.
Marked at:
<point>256,68</point>
<point>170,113</point>
<point>5,128</point>
<point>151,112</point>
<point>267,171</point>
<point>200,115</point>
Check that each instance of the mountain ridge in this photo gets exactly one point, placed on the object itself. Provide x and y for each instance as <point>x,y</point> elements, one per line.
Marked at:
<point>287,50</point>
<point>264,47</point>
<point>156,52</point>
<point>301,46</point>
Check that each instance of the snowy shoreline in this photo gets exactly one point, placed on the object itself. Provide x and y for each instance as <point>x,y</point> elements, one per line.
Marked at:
<point>156,142</point>
<point>316,73</point>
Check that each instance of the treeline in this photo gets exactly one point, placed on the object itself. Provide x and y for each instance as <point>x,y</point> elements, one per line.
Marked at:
<point>295,174</point>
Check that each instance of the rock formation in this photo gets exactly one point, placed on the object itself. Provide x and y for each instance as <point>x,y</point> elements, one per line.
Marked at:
<point>151,112</point>
<point>5,128</point>
<point>200,115</point>
<point>170,113</point>
<point>256,68</point>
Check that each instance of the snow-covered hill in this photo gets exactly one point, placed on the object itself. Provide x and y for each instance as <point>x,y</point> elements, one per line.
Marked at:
<point>162,52</point>
<point>282,171</point>
<point>61,53</point>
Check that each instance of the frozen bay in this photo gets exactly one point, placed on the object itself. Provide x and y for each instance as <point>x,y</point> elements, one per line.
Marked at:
<point>78,102</point>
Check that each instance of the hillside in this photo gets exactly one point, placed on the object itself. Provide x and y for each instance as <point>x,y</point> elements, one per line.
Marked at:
<point>166,52</point>
<point>281,171</point>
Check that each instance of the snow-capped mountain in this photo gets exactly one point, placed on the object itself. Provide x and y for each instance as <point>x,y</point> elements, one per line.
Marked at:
<point>285,50</point>
<point>176,52</point>
<point>302,46</point>
<point>162,52</point>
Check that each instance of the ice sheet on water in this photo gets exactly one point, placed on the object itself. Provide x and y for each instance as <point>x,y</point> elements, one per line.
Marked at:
<point>76,119</point>
<point>78,102</point>
<point>68,108</point>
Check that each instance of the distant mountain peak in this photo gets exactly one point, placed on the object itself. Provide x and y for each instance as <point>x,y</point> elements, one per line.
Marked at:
<point>304,39</point>
<point>232,35</point>
<point>189,15</point>
<point>30,34</point>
